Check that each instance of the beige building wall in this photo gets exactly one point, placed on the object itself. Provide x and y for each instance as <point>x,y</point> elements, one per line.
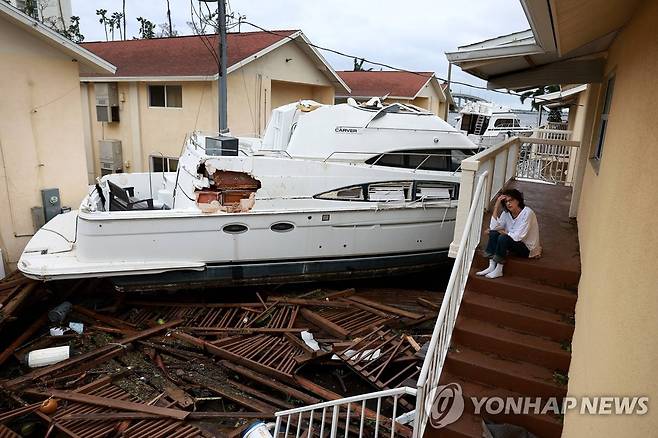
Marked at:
<point>614,344</point>
<point>253,90</point>
<point>41,133</point>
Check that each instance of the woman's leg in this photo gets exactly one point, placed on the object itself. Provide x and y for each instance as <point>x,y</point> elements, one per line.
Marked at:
<point>489,252</point>
<point>491,244</point>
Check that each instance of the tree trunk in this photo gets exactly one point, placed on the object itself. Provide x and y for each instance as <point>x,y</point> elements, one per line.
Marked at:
<point>124,19</point>
<point>171,30</point>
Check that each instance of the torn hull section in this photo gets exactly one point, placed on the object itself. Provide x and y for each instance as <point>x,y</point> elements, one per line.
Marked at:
<point>294,271</point>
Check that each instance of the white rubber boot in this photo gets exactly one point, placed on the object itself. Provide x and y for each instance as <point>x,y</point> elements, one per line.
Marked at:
<point>498,272</point>
<point>492,266</point>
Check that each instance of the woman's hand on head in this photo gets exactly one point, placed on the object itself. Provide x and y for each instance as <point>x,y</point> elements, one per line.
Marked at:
<point>502,198</point>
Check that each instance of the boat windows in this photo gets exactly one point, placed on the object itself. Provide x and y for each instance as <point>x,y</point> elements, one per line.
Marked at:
<point>282,227</point>
<point>434,191</point>
<point>391,191</point>
<point>235,229</point>
<point>354,193</point>
<point>395,191</point>
<point>506,123</point>
<point>447,160</point>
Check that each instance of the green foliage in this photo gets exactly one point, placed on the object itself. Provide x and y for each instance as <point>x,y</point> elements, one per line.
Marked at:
<point>358,65</point>
<point>146,28</point>
<point>103,19</point>
<point>544,89</point>
<point>73,32</point>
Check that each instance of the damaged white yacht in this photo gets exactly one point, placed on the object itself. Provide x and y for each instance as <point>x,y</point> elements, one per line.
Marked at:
<point>330,191</point>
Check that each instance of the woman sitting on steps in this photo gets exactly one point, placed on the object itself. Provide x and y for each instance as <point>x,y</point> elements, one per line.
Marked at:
<point>513,228</point>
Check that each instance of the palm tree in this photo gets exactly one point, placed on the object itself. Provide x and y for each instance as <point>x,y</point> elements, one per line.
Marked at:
<point>116,21</point>
<point>123,14</point>
<point>102,13</point>
<point>543,89</point>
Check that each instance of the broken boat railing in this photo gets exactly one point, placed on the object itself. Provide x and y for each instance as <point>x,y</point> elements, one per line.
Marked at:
<point>352,415</point>
<point>430,374</point>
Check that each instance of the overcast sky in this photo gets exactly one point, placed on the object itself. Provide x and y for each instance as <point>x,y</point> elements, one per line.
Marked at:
<point>412,34</point>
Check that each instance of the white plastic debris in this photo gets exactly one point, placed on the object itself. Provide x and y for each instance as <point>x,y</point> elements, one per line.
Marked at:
<point>77,327</point>
<point>366,355</point>
<point>308,339</point>
<point>47,356</point>
<point>58,331</point>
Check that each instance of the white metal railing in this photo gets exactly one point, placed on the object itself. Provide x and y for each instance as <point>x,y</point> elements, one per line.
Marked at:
<point>350,415</point>
<point>428,380</point>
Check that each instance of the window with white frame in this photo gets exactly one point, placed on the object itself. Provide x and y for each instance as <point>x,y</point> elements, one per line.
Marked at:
<point>603,119</point>
<point>169,96</point>
<point>163,164</point>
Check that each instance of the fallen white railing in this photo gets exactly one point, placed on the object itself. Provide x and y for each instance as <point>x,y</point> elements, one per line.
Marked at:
<point>430,374</point>
<point>348,414</point>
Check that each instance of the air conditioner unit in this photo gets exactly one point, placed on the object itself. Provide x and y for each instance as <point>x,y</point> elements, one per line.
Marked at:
<point>107,101</point>
<point>111,156</point>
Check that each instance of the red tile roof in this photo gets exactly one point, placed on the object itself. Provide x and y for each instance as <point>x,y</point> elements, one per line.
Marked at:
<point>180,56</point>
<point>380,83</point>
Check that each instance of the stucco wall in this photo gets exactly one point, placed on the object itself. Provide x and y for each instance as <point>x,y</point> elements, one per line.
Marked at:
<point>253,91</point>
<point>614,344</point>
<point>41,130</point>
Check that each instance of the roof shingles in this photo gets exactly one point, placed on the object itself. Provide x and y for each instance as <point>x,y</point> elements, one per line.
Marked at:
<point>379,83</point>
<point>181,56</point>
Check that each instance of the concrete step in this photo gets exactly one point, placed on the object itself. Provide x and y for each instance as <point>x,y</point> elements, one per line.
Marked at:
<point>534,269</point>
<point>521,377</point>
<point>523,290</point>
<point>541,425</point>
<point>519,316</point>
<point>488,337</point>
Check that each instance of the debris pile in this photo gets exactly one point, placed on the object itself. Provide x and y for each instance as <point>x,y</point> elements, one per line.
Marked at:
<point>84,361</point>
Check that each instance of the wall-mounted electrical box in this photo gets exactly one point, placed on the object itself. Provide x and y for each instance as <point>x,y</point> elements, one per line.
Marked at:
<point>111,156</point>
<point>107,101</point>
<point>52,204</point>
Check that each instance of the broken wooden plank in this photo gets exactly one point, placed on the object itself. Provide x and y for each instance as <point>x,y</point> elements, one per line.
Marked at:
<point>434,306</point>
<point>10,307</point>
<point>118,345</point>
<point>233,395</point>
<point>270,382</point>
<point>385,307</point>
<point>260,395</point>
<point>119,416</point>
<point>116,323</point>
<point>237,358</point>
<point>324,324</point>
<point>27,334</point>
<point>123,405</point>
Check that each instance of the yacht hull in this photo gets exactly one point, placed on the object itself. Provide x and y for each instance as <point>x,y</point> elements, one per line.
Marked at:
<point>168,247</point>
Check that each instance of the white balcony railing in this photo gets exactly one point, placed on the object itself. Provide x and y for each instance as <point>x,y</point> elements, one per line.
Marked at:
<point>352,416</point>
<point>430,374</point>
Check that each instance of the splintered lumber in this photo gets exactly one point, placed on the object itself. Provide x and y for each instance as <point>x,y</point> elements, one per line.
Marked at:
<point>330,395</point>
<point>117,345</point>
<point>116,323</point>
<point>123,405</point>
<point>260,395</point>
<point>234,395</point>
<point>428,303</point>
<point>270,382</point>
<point>10,284</point>
<point>119,416</point>
<point>324,324</point>
<point>386,308</point>
<point>10,307</point>
<point>258,352</point>
<point>32,329</point>
<point>311,302</point>
<point>18,412</point>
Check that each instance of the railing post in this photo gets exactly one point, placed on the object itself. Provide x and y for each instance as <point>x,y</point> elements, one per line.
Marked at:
<point>466,186</point>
